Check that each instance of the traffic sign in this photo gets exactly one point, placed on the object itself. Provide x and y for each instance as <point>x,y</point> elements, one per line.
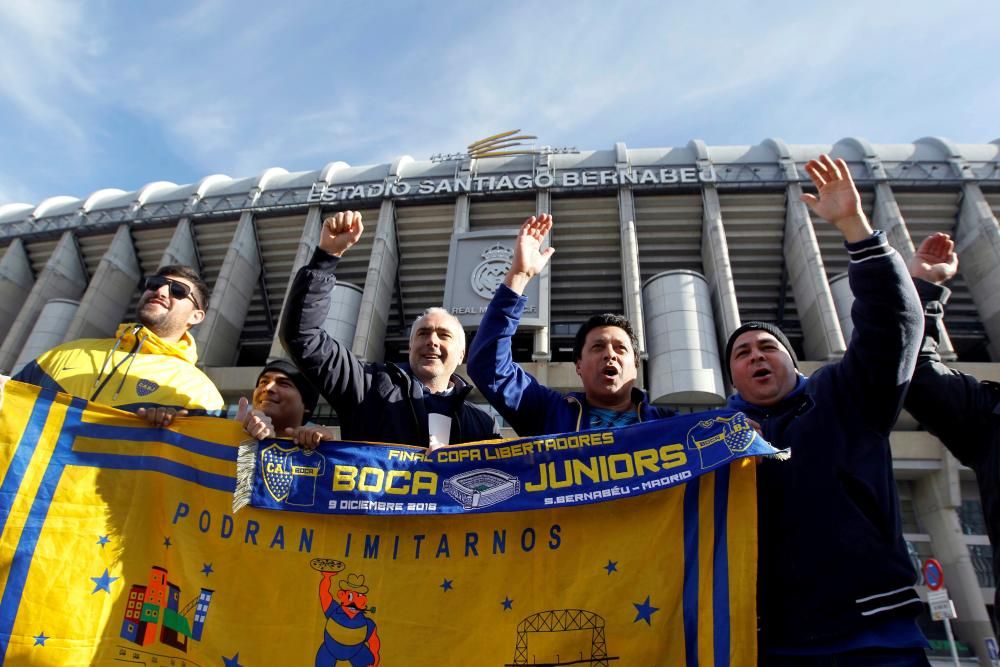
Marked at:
<point>941,606</point>
<point>992,651</point>
<point>933,574</point>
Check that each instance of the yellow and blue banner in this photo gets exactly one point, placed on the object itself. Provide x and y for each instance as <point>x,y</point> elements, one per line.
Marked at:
<point>119,545</point>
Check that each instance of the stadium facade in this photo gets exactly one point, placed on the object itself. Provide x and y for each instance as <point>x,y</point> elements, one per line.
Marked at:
<point>689,241</point>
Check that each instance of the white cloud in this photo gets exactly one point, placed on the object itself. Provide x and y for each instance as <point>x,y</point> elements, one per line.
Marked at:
<point>42,45</point>
<point>239,87</point>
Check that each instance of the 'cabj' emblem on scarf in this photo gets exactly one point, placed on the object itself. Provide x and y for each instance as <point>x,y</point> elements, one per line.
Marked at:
<point>489,273</point>
<point>481,488</point>
<point>720,438</point>
<point>145,387</point>
<point>290,475</point>
<point>349,635</point>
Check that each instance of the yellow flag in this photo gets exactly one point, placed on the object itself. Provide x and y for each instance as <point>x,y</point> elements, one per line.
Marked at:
<point>119,545</point>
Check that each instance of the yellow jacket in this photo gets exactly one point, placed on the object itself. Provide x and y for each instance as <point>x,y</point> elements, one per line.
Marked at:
<point>136,369</point>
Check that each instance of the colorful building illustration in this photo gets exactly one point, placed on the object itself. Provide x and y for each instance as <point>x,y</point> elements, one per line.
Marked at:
<point>156,606</point>
<point>131,624</point>
<point>200,613</point>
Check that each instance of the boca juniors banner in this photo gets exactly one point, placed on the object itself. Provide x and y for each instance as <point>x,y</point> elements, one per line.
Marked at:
<point>119,545</point>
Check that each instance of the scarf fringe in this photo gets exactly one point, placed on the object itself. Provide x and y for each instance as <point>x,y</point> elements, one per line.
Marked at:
<point>246,466</point>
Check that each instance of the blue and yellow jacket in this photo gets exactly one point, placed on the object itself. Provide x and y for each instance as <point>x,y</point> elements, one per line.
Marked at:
<point>133,370</point>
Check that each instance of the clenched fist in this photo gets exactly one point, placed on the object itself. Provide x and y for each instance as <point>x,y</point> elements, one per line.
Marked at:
<point>340,232</point>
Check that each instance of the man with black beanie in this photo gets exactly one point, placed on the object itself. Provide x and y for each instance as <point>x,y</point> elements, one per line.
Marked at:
<point>283,401</point>
<point>835,579</point>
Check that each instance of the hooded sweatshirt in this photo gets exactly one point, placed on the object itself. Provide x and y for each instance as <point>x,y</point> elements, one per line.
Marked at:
<point>135,369</point>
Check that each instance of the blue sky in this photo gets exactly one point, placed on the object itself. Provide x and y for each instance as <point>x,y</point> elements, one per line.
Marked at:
<point>102,94</point>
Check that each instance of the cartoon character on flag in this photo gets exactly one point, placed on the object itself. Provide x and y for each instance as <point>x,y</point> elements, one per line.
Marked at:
<point>349,634</point>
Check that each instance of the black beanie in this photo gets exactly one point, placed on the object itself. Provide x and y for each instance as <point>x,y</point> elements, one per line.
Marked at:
<point>754,325</point>
<point>309,394</point>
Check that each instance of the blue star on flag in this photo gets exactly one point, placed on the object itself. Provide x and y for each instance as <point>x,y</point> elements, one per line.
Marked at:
<point>166,542</point>
<point>207,570</point>
<point>103,582</point>
<point>446,585</point>
<point>612,566</point>
<point>644,611</point>
<point>102,540</point>
<point>233,661</point>
<point>40,639</point>
<point>507,603</point>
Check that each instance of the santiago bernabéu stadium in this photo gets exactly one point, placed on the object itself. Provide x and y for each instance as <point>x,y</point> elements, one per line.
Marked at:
<point>688,241</point>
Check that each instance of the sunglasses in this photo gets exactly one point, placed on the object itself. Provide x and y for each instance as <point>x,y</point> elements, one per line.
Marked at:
<point>178,290</point>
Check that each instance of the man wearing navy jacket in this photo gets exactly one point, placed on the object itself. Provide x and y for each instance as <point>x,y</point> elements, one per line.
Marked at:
<point>835,579</point>
<point>420,403</point>
<point>959,409</point>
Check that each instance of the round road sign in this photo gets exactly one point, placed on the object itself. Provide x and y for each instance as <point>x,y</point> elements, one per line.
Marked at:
<point>933,574</point>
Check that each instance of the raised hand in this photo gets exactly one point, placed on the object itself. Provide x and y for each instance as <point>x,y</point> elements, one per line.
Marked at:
<point>340,232</point>
<point>255,423</point>
<point>935,260</point>
<point>529,259</point>
<point>838,200</point>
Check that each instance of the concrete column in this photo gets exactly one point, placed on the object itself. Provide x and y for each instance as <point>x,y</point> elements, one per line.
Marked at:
<point>380,283</point>
<point>629,241</point>
<point>843,299</point>
<point>631,276</point>
<point>461,219</point>
<point>108,297</point>
<point>342,318</point>
<point>977,241</point>
<point>542,348</point>
<point>822,338</point>
<point>218,336</point>
<point>718,269</point>
<point>16,281</point>
<point>64,277</point>
<point>886,217</point>
<point>49,330</point>
<point>936,499</point>
<point>307,245</point>
<point>182,248</point>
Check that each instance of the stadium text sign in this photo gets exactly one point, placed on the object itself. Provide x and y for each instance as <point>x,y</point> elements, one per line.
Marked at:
<point>596,178</point>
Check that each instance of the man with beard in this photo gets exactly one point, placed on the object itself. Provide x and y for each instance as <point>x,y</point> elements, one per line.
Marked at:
<point>148,367</point>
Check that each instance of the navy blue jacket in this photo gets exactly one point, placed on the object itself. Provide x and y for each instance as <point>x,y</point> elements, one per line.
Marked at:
<point>375,402</point>
<point>833,562</point>
<point>529,407</point>
<point>963,412</point>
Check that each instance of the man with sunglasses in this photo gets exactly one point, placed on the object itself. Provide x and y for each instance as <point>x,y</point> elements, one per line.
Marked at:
<point>149,366</point>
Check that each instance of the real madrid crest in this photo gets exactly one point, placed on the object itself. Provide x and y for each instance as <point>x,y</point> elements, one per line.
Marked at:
<point>489,273</point>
